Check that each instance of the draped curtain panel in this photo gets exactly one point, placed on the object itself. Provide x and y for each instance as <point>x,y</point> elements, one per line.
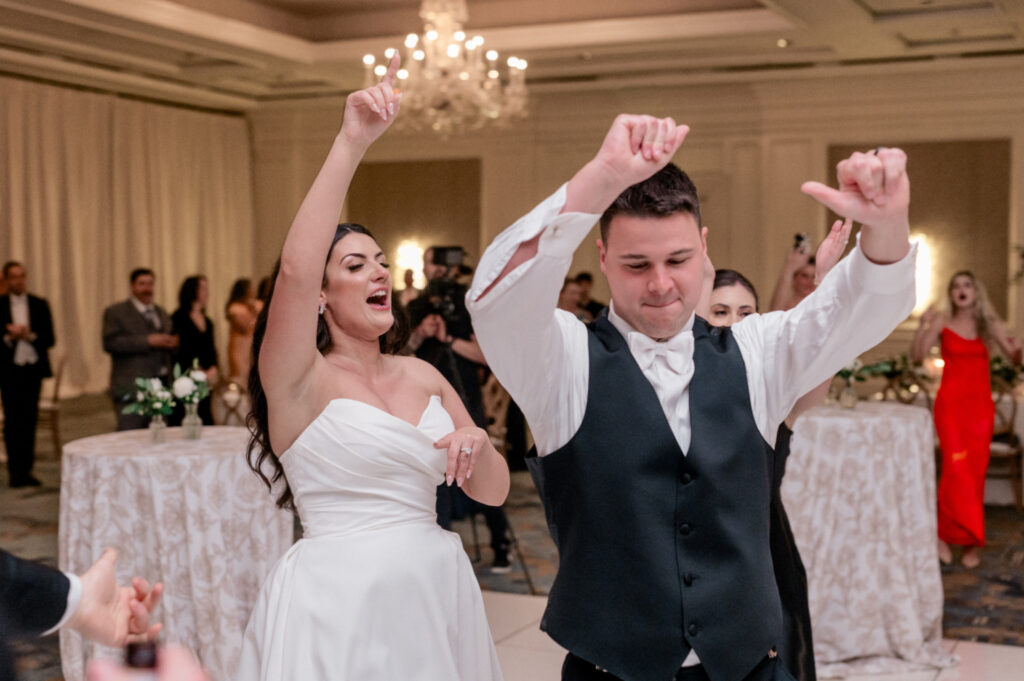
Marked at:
<point>92,186</point>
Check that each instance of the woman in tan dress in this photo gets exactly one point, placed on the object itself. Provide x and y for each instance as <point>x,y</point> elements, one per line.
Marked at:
<point>241,312</point>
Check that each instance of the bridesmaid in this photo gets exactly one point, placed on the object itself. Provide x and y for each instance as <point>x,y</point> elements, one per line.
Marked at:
<point>963,408</point>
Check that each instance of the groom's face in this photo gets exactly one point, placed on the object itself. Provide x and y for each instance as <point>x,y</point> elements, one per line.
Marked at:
<point>655,268</point>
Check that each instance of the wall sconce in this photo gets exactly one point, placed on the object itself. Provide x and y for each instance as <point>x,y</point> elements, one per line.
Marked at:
<point>410,257</point>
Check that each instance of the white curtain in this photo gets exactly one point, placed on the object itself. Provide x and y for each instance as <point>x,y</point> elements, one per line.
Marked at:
<point>92,186</point>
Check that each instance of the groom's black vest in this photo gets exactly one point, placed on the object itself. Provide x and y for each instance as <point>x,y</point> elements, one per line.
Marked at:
<point>661,552</point>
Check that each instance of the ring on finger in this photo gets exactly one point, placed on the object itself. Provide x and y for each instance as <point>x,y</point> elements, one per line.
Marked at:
<point>466,451</point>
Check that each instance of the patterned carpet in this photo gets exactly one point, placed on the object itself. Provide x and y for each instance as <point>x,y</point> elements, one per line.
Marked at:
<point>985,604</point>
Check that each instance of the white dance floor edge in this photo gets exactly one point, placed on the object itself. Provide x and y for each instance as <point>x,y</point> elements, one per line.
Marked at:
<point>527,654</point>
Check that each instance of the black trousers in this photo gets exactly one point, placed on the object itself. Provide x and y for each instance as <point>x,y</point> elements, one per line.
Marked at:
<point>19,389</point>
<point>577,669</point>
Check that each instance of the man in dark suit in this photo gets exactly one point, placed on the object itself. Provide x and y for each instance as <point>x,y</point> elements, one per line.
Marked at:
<point>137,334</point>
<point>36,599</point>
<point>27,336</point>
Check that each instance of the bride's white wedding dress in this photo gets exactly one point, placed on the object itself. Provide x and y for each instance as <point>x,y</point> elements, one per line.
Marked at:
<point>375,589</point>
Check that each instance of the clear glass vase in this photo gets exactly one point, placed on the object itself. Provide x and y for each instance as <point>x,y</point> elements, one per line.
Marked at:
<point>157,428</point>
<point>848,397</point>
<point>191,425</point>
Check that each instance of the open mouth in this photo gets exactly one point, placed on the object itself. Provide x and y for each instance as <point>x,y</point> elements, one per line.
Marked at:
<point>379,300</point>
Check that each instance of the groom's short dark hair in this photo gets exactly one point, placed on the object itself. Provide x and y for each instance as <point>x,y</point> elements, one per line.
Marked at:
<point>666,192</point>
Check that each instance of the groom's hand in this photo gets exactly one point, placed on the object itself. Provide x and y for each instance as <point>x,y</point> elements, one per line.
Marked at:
<point>635,148</point>
<point>874,190</point>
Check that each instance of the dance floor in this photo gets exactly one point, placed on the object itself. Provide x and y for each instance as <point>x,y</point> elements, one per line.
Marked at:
<point>984,605</point>
<point>527,654</point>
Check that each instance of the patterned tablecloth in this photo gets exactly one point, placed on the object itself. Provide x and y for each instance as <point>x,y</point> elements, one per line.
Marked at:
<point>860,494</point>
<point>189,513</point>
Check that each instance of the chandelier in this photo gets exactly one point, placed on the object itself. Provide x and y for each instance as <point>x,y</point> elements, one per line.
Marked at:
<point>448,83</point>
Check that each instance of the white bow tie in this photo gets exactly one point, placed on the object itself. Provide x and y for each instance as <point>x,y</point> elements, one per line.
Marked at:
<point>677,352</point>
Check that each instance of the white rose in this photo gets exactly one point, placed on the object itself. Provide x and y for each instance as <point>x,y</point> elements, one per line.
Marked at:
<point>140,396</point>
<point>163,395</point>
<point>198,376</point>
<point>155,384</point>
<point>157,405</point>
<point>183,387</point>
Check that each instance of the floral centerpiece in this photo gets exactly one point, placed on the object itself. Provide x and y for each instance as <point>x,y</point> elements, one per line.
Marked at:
<point>152,399</point>
<point>191,388</point>
<point>850,373</point>
<point>1001,369</point>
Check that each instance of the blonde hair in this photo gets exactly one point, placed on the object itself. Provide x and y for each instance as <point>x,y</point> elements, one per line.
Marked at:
<point>984,315</point>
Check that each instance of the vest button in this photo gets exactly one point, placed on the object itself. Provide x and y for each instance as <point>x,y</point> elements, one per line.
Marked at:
<point>692,630</point>
<point>686,478</point>
<point>688,578</point>
<point>685,529</point>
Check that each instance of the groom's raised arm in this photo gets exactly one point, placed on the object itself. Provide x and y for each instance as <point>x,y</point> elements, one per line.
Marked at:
<point>539,353</point>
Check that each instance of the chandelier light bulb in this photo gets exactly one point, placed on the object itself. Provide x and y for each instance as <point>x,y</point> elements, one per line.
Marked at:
<point>447,86</point>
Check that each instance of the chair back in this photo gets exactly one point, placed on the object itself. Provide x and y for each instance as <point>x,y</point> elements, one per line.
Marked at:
<point>51,398</point>
<point>1005,411</point>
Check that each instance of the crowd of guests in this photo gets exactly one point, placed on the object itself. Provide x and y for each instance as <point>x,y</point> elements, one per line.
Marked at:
<point>144,341</point>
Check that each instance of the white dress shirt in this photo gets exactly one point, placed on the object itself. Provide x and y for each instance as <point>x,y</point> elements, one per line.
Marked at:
<point>24,352</point>
<point>74,598</point>
<point>540,355</point>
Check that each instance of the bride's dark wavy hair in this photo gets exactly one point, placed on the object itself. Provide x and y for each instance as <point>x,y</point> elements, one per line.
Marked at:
<point>259,454</point>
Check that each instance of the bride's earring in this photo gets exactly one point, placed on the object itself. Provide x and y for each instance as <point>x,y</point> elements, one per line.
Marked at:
<point>323,306</point>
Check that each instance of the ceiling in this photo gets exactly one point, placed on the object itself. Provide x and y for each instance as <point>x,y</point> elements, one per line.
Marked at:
<point>237,55</point>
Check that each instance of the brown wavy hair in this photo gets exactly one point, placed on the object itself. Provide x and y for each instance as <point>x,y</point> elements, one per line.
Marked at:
<point>260,453</point>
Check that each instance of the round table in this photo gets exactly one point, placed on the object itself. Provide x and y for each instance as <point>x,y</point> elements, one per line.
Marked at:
<point>189,513</point>
<point>860,493</point>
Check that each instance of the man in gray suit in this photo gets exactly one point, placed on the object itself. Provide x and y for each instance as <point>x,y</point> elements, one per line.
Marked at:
<point>137,334</point>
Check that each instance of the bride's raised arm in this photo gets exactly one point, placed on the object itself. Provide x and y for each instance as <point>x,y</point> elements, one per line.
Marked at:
<point>288,353</point>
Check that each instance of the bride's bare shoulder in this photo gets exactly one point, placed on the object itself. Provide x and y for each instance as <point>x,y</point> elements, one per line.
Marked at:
<point>415,369</point>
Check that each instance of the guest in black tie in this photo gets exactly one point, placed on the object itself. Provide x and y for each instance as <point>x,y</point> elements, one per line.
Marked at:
<point>36,599</point>
<point>27,336</point>
<point>195,339</point>
<point>137,334</point>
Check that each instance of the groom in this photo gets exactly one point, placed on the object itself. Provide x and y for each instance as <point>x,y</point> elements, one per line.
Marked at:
<point>654,432</point>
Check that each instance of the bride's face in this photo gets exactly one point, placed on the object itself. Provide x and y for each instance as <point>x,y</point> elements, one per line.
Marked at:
<point>357,294</point>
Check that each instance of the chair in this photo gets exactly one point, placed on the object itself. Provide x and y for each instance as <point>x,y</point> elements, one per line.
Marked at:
<point>49,407</point>
<point>230,403</point>
<point>1006,451</point>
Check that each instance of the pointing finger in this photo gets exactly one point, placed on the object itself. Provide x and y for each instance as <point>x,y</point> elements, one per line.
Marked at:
<point>392,73</point>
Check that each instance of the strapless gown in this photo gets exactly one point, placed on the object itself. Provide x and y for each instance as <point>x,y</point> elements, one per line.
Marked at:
<point>375,589</point>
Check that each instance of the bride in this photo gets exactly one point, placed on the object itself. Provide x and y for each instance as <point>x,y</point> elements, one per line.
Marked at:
<point>375,589</point>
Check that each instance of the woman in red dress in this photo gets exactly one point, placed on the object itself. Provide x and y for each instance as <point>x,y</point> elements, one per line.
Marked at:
<point>963,409</point>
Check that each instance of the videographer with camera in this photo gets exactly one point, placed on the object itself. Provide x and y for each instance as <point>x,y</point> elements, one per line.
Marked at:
<point>443,336</point>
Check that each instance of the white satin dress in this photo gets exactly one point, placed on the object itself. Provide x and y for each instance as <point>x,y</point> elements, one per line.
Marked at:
<point>375,590</point>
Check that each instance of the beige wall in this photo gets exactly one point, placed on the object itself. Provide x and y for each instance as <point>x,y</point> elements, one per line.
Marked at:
<point>751,146</point>
<point>433,203</point>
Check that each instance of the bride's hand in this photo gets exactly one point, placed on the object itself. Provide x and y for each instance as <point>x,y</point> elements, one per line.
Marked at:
<point>369,112</point>
<point>464,446</point>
